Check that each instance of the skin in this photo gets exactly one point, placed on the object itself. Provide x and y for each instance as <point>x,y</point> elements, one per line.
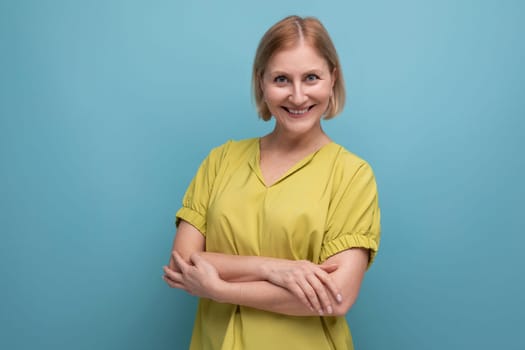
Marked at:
<point>297,79</point>
<point>297,86</point>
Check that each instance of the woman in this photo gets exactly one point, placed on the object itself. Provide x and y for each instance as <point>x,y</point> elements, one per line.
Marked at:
<point>276,233</point>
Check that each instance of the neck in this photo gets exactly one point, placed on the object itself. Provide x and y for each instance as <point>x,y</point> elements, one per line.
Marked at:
<point>287,142</point>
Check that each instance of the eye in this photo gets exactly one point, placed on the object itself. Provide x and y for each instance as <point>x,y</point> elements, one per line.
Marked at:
<point>281,79</point>
<point>312,77</point>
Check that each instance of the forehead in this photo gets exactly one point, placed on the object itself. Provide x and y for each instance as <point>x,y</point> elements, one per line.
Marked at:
<point>300,58</point>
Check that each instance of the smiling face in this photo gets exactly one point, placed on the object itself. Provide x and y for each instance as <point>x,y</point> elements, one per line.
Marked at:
<point>297,85</point>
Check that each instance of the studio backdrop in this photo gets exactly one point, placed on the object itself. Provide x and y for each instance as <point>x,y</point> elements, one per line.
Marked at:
<point>107,109</point>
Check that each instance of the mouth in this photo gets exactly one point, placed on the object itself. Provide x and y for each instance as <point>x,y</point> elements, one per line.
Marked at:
<point>298,112</point>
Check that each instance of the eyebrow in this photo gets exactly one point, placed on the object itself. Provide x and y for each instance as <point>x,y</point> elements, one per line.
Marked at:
<point>309,71</point>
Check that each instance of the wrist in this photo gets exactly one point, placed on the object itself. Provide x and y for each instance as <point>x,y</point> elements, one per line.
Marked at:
<point>265,269</point>
<point>222,292</point>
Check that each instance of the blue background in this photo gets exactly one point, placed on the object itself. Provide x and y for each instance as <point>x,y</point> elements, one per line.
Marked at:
<point>108,107</point>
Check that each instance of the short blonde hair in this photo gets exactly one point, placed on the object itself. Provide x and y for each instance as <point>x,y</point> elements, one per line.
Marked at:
<point>288,33</point>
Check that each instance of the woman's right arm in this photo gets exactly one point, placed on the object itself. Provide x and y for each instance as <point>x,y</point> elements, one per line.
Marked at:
<point>189,240</point>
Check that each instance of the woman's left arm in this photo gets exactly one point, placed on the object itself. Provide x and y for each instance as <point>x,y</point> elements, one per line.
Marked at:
<point>349,275</point>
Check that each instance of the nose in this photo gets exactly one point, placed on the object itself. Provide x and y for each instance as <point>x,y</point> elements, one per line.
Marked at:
<point>297,96</point>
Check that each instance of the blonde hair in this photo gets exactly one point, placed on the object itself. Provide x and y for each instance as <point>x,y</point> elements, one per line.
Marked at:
<point>288,33</point>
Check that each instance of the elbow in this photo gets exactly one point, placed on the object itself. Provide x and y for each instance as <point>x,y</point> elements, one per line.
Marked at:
<point>187,255</point>
<point>345,306</point>
<point>183,254</point>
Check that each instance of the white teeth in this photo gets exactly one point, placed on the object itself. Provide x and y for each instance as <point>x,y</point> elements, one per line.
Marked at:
<point>295,111</point>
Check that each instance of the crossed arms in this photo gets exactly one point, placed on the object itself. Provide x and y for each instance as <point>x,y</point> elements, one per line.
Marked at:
<point>290,287</point>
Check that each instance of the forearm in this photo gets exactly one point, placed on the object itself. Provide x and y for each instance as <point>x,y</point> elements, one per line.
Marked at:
<point>189,240</point>
<point>269,297</point>
<point>300,281</point>
<point>239,268</point>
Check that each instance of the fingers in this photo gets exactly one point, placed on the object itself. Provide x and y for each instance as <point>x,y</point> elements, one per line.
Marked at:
<point>172,274</point>
<point>305,284</point>
<point>329,267</point>
<point>313,294</point>
<point>173,278</point>
<point>179,262</point>
<point>196,277</point>
<point>299,293</point>
<point>174,284</point>
<point>320,293</point>
<point>330,284</point>
<point>318,284</point>
<point>196,259</point>
<point>309,282</point>
<point>171,263</point>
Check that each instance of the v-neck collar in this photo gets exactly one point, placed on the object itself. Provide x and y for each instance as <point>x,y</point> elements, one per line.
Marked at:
<point>255,163</point>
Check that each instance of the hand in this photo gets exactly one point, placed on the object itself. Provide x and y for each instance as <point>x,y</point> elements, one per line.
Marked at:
<point>306,280</point>
<point>172,265</point>
<point>200,279</point>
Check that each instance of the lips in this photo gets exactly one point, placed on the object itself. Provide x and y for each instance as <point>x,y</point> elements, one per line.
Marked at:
<point>297,112</point>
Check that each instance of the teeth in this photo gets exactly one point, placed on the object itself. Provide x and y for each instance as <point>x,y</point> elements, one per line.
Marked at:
<point>297,111</point>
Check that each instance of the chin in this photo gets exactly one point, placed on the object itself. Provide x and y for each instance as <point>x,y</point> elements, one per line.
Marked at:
<point>298,126</point>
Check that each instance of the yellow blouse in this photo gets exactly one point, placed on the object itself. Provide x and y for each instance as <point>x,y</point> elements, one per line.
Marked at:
<point>323,205</point>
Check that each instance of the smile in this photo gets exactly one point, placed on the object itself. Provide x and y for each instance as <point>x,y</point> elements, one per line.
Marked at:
<point>298,112</point>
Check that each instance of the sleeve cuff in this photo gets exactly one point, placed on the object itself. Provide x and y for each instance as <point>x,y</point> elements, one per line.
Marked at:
<point>192,217</point>
<point>349,241</point>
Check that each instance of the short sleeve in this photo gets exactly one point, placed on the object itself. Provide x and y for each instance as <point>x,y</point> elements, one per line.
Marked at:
<point>353,217</point>
<point>197,196</point>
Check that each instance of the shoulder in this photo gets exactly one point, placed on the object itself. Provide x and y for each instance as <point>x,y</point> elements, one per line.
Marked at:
<point>352,177</point>
<point>346,164</point>
<point>233,150</point>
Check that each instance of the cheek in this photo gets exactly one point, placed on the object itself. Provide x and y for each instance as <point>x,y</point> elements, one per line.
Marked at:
<point>322,93</point>
<point>275,96</point>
